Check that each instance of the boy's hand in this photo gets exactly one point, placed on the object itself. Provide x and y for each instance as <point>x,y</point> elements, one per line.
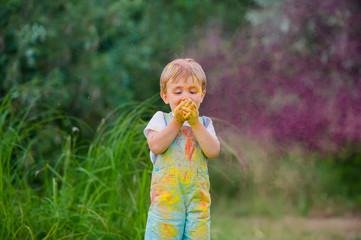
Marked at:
<point>187,104</point>
<point>190,112</point>
<point>178,112</point>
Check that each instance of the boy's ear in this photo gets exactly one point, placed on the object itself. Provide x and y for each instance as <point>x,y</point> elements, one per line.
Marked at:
<point>164,97</point>
<point>203,94</point>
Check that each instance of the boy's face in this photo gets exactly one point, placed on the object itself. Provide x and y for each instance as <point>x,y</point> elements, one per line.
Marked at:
<point>182,89</point>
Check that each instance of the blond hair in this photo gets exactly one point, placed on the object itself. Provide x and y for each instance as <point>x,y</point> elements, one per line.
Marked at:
<point>182,68</point>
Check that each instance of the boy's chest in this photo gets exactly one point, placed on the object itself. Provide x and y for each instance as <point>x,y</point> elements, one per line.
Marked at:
<point>185,145</point>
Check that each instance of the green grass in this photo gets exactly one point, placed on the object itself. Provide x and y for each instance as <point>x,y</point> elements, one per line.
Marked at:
<point>102,194</point>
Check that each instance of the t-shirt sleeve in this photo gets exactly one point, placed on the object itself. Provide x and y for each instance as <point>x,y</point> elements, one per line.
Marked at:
<point>157,123</point>
<point>209,126</point>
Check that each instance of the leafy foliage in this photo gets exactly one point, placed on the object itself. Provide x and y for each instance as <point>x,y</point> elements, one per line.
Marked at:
<point>293,75</point>
<point>86,57</point>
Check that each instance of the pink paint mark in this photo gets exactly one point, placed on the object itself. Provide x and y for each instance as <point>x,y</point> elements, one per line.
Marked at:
<point>185,176</point>
<point>189,148</point>
<point>155,193</point>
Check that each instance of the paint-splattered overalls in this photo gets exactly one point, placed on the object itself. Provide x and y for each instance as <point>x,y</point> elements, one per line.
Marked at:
<point>180,199</point>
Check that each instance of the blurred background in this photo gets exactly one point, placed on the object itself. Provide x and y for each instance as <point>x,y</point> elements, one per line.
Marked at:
<point>80,79</point>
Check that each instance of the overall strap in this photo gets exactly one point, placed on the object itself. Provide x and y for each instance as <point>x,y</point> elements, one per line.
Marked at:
<point>167,118</point>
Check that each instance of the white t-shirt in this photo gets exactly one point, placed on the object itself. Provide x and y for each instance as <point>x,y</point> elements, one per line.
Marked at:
<point>157,123</point>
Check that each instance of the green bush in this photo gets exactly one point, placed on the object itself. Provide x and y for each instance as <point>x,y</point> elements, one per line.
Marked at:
<point>87,57</point>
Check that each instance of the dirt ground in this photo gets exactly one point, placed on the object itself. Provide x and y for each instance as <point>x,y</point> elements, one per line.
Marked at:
<point>348,227</point>
<point>295,228</point>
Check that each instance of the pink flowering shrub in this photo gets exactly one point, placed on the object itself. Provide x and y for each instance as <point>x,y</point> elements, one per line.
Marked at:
<point>294,77</point>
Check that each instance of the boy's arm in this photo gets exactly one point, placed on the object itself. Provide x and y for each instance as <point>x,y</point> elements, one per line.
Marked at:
<point>158,142</point>
<point>210,146</point>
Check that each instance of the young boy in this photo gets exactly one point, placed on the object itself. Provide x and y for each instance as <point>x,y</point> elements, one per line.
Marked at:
<point>180,144</point>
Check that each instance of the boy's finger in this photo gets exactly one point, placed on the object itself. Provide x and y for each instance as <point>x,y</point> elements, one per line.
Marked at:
<point>185,109</point>
<point>181,104</point>
<point>179,107</point>
<point>188,103</point>
<point>192,107</point>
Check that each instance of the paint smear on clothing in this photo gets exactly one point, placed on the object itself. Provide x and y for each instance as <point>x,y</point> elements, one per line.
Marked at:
<point>190,143</point>
<point>168,230</point>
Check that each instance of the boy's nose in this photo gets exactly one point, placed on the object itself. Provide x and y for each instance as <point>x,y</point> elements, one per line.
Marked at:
<point>187,95</point>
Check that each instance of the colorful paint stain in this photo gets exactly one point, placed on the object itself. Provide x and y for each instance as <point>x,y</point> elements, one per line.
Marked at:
<point>190,142</point>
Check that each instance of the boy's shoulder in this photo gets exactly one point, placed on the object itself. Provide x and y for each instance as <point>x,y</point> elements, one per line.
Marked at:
<point>206,120</point>
<point>158,114</point>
